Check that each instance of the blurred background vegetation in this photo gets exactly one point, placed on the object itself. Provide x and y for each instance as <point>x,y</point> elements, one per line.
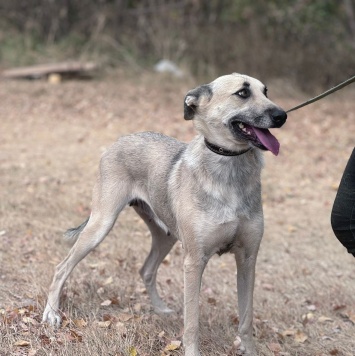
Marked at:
<point>311,43</point>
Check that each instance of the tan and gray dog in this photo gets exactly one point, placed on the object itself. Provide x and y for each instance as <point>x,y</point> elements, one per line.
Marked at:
<point>207,194</point>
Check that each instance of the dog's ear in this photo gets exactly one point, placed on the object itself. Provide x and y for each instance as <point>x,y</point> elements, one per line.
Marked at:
<point>193,99</point>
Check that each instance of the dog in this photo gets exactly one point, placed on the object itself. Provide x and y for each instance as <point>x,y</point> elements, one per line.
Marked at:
<point>206,194</point>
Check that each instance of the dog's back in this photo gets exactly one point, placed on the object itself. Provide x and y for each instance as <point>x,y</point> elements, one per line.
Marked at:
<point>148,156</point>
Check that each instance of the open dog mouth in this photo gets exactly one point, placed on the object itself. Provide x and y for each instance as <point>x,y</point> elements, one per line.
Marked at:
<point>261,138</point>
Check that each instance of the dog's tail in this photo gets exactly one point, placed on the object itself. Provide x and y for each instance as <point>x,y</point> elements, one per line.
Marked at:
<point>71,235</point>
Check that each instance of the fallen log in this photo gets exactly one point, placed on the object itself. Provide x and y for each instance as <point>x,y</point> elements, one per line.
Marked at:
<point>44,70</point>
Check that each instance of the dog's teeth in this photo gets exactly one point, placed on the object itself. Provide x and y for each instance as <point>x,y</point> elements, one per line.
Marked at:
<point>244,129</point>
<point>241,125</point>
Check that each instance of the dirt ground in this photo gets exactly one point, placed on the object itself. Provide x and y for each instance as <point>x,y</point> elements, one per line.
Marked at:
<point>51,139</point>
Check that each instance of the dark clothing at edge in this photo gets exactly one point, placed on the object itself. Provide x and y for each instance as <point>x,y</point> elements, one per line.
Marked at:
<point>343,213</point>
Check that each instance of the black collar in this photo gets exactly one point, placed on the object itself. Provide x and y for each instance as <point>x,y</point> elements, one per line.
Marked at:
<point>223,151</point>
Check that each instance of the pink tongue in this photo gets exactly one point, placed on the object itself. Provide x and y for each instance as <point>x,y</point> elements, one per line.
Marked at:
<point>268,140</point>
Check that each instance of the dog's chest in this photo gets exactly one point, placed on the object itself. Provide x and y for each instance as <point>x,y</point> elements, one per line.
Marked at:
<point>227,203</point>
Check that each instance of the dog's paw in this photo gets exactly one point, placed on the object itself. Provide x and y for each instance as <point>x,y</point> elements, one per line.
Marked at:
<point>51,316</point>
<point>244,348</point>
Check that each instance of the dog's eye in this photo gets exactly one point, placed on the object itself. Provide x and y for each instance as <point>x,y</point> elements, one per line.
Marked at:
<point>243,93</point>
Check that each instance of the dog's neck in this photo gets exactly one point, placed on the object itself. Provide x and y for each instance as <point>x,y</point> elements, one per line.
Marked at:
<point>223,151</point>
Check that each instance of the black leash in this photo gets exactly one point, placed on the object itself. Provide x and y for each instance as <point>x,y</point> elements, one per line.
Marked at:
<point>323,95</point>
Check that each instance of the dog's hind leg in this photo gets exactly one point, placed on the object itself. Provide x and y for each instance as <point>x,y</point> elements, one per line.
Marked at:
<point>108,200</point>
<point>162,242</point>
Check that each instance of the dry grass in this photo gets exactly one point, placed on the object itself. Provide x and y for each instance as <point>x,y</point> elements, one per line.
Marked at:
<point>51,141</point>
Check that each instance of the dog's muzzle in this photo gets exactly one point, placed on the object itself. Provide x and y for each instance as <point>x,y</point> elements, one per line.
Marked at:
<point>259,135</point>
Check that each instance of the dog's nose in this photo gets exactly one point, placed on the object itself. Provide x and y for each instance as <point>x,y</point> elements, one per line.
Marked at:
<point>278,117</point>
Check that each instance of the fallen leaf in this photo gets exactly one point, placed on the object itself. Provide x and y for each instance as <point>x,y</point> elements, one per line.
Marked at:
<point>74,336</point>
<point>289,332</point>
<point>80,323</point>
<point>28,320</point>
<point>307,318</point>
<point>323,319</point>
<point>104,324</point>
<point>109,280</point>
<point>311,307</point>
<point>10,317</point>
<point>235,319</point>
<point>22,343</point>
<point>274,347</point>
<point>106,303</point>
<point>300,337</point>
<point>348,316</point>
<point>110,317</point>
<point>23,326</point>
<point>125,317</point>
<point>45,340</point>
<point>212,301</point>
<point>338,306</point>
<point>334,352</point>
<point>65,323</point>
<point>291,229</point>
<point>100,290</point>
<point>174,345</point>
<point>115,301</point>
<point>132,351</point>
<point>31,307</point>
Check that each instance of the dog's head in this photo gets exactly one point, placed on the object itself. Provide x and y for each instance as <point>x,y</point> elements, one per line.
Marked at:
<point>234,112</point>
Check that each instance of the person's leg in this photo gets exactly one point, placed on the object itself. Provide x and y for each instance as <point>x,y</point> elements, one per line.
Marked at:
<point>343,213</point>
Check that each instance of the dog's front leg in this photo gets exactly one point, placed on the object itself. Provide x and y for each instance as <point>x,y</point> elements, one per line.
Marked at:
<point>193,270</point>
<point>245,255</point>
